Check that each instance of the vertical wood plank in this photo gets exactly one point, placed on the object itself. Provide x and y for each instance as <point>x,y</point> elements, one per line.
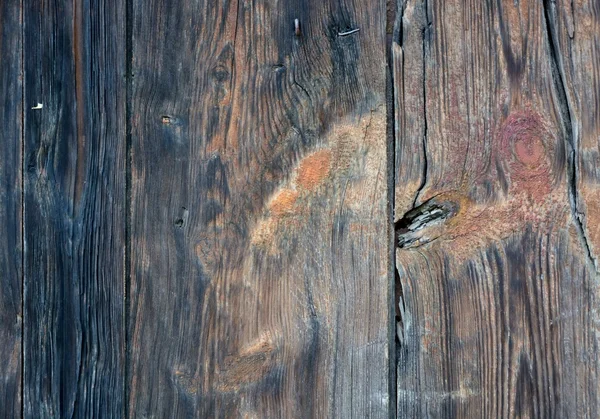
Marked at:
<point>575,33</point>
<point>499,293</point>
<point>259,260</point>
<point>11,140</point>
<point>574,30</point>
<point>74,208</point>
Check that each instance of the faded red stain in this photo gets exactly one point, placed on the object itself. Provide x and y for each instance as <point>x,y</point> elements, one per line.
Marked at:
<point>529,150</point>
<point>525,148</point>
<point>314,169</point>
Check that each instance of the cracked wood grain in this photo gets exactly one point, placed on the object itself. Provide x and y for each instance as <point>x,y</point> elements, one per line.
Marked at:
<point>11,207</point>
<point>575,33</point>
<point>74,202</point>
<point>269,298</point>
<point>572,139</point>
<point>499,300</point>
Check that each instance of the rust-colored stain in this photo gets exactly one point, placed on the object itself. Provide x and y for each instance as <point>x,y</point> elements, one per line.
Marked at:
<point>314,169</point>
<point>352,152</point>
<point>284,203</point>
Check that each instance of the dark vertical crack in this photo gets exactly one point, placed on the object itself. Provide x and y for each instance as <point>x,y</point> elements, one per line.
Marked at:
<point>22,8</point>
<point>395,10</point>
<point>425,38</point>
<point>78,55</point>
<point>567,115</point>
<point>128,198</point>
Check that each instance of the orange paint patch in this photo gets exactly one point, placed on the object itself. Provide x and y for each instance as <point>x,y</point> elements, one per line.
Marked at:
<point>284,203</point>
<point>313,169</point>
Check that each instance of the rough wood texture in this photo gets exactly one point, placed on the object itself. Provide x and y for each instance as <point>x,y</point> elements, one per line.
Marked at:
<point>259,266</point>
<point>499,294</point>
<point>11,136</point>
<point>576,41</point>
<point>74,222</point>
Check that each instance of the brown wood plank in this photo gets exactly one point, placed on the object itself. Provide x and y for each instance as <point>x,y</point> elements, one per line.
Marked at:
<point>575,36</point>
<point>499,295</point>
<point>259,262</point>
<point>576,43</point>
<point>74,220</point>
<point>11,140</point>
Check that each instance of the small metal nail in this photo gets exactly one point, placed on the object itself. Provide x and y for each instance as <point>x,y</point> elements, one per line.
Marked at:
<point>348,32</point>
<point>297,27</point>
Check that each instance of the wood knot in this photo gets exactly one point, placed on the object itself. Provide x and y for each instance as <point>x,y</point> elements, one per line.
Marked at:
<point>253,364</point>
<point>522,140</point>
<point>426,222</point>
<point>170,121</point>
<point>529,150</point>
<point>220,74</point>
<point>526,149</point>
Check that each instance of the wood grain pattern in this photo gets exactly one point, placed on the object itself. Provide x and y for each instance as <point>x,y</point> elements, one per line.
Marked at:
<point>11,140</point>
<point>499,296</point>
<point>74,218</point>
<point>576,36</point>
<point>259,266</point>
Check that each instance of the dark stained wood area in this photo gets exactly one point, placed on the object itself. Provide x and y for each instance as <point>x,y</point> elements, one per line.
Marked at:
<point>299,209</point>
<point>11,208</point>
<point>74,209</point>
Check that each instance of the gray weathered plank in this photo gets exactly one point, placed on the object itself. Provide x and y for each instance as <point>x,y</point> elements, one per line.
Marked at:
<point>74,208</point>
<point>500,297</point>
<point>11,138</point>
<point>259,261</point>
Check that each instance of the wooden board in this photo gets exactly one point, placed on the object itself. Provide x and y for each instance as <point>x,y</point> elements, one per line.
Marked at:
<point>576,37</point>
<point>11,140</point>
<point>259,264</point>
<point>74,215</point>
<point>499,292</point>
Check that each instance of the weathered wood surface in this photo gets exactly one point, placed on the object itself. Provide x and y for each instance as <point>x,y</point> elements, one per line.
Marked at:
<point>11,136</point>
<point>496,208</point>
<point>74,208</point>
<point>259,267</point>
<point>576,36</point>
<point>196,218</point>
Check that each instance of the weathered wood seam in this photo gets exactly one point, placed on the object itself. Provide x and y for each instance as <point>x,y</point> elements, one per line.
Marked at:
<point>128,200</point>
<point>394,23</point>
<point>425,35</point>
<point>398,37</point>
<point>22,360</point>
<point>566,111</point>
